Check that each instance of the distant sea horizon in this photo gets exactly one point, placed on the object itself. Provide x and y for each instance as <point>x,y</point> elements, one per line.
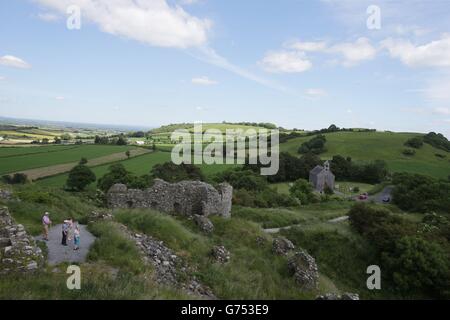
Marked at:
<point>75,125</point>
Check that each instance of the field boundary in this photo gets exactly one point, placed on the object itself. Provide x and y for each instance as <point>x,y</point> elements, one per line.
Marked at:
<point>54,170</point>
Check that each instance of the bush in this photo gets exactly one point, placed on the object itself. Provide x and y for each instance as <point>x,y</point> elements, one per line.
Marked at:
<point>80,177</point>
<point>409,152</point>
<point>171,172</point>
<point>414,192</point>
<point>17,178</point>
<point>416,142</point>
<point>316,145</point>
<point>303,191</point>
<point>417,266</point>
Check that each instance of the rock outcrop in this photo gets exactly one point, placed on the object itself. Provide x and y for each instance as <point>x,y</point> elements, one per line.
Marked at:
<point>5,194</point>
<point>170,270</point>
<point>204,223</point>
<point>221,254</point>
<point>18,251</point>
<point>305,271</point>
<point>282,246</point>
<point>184,198</point>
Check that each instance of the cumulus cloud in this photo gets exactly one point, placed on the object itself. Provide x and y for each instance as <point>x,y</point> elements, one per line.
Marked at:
<point>203,81</point>
<point>433,54</point>
<point>285,62</point>
<point>354,53</point>
<point>152,22</point>
<point>15,62</point>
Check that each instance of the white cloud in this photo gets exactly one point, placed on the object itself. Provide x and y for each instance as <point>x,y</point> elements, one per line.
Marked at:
<point>152,22</point>
<point>354,53</point>
<point>48,17</point>
<point>307,46</point>
<point>11,61</point>
<point>442,111</point>
<point>433,54</point>
<point>204,81</point>
<point>60,98</point>
<point>285,62</point>
<point>315,93</point>
<point>2,78</point>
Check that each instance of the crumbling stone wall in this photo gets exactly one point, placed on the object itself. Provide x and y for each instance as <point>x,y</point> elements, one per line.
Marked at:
<point>184,198</point>
<point>18,251</point>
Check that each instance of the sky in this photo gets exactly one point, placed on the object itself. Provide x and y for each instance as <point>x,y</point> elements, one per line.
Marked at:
<point>298,63</point>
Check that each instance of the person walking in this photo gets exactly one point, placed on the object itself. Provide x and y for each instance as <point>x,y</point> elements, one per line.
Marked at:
<point>76,238</point>
<point>65,230</point>
<point>46,222</point>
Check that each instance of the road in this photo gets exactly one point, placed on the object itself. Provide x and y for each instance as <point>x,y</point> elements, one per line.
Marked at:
<point>386,192</point>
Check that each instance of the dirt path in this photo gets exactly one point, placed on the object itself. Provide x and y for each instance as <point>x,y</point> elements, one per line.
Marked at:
<point>57,253</point>
<point>38,173</point>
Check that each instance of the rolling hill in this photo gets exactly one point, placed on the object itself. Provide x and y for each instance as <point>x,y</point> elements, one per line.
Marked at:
<point>388,146</point>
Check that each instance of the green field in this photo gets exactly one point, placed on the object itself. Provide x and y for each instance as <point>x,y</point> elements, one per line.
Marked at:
<point>51,155</point>
<point>388,146</point>
<point>139,165</point>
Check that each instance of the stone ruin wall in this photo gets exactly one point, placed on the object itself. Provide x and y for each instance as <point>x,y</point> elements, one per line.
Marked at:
<point>18,250</point>
<point>184,198</point>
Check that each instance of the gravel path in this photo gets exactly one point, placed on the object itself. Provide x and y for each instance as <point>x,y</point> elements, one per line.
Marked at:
<point>58,253</point>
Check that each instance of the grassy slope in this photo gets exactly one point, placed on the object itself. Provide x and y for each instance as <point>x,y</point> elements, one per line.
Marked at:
<point>253,272</point>
<point>61,155</point>
<point>366,146</point>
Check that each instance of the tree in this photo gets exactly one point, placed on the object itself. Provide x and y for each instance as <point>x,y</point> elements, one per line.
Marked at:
<point>83,161</point>
<point>17,178</point>
<point>121,141</point>
<point>128,154</point>
<point>302,190</point>
<point>416,265</point>
<point>171,172</point>
<point>80,177</point>
<point>116,174</point>
<point>66,137</point>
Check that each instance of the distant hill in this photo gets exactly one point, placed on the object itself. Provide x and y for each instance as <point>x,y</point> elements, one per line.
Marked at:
<point>388,146</point>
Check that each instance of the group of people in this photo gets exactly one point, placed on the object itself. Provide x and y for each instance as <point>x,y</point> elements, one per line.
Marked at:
<point>70,231</point>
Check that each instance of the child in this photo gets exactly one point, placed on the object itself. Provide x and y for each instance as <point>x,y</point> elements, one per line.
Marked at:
<point>76,238</point>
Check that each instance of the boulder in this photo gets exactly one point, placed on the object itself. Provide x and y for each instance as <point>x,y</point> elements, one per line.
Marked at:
<point>221,254</point>
<point>204,223</point>
<point>304,269</point>
<point>282,246</point>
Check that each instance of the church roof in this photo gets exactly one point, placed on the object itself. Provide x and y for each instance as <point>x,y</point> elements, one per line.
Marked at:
<point>316,170</point>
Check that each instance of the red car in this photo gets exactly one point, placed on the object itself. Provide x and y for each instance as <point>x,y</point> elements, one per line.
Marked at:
<point>363,196</point>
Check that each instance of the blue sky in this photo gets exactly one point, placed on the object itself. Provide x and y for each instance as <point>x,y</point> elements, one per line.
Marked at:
<point>298,63</point>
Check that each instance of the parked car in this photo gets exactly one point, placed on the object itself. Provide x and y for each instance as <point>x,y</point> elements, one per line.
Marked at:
<point>386,199</point>
<point>363,196</point>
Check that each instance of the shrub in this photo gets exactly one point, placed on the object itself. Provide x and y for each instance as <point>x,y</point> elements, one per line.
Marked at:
<point>171,172</point>
<point>316,145</point>
<point>303,191</point>
<point>17,178</point>
<point>416,142</point>
<point>409,152</point>
<point>80,177</point>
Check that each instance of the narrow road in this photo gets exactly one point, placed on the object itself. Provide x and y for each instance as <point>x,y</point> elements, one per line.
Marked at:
<point>386,192</point>
<point>57,253</point>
